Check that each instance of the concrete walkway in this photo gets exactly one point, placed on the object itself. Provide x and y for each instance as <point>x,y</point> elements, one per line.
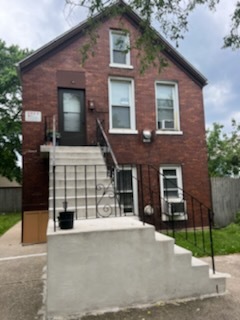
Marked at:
<point>21,269</point>
<point>21,288</point>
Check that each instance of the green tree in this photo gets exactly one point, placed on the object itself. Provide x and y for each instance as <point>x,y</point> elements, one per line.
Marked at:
<point>10,111</point>
<point>232,40</point>
<point>172,16</point>
<point>223,150</point>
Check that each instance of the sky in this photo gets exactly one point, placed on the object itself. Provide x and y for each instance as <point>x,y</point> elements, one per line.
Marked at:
<point>31,24</point>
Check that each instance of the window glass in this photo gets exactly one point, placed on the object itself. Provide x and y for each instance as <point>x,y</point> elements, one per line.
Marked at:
<point>166,106</point>
<point>120,117</point>
<point>124,180</point>
<point>120,93</point>
<point>71,112</point>
<point>71,122</point>
<point>125,189</point>
<point>120,53</point>
<point>165,95</point>
<point>121,104</point>
<point>170,183</point>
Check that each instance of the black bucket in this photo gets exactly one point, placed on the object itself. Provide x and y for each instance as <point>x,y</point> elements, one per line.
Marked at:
<point>65,219</point>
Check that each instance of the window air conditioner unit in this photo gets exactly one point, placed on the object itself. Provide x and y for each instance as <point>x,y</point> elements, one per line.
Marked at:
<point>166,124</point>
<point>176,208</point>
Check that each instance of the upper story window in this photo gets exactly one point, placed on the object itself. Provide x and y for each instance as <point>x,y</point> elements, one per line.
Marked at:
<point>119,46</point>
<point>121,104</point>
<point>167,106</point>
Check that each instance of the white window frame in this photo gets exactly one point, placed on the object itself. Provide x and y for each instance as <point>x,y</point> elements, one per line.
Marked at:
<point>128,62</point>
<point>132,129</point>
<point>134,187</point>
<point>164,200</point>
<point>176,130</point>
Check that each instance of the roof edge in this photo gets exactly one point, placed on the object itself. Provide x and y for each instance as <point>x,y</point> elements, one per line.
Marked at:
<point>69,35</point>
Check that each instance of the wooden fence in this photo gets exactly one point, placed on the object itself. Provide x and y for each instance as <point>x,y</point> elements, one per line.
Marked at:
<point>10,199</point>
<point>225,199</point>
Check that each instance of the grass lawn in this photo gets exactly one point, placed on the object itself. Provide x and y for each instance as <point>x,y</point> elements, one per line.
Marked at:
<point>226,241</point>
<point>7,220</point>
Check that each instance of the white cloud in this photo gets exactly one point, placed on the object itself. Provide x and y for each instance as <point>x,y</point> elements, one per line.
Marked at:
<point>222,16</point>
<point>219,95</point>
<point>31,23</point>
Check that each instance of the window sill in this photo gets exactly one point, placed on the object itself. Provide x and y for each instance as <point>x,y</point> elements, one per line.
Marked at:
<point>168,132</point>
<point>123,131</point>
<point>124,66</point>
<point>183,217</point>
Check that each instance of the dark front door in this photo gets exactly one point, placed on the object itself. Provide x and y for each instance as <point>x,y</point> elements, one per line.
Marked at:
<point>72,117</point>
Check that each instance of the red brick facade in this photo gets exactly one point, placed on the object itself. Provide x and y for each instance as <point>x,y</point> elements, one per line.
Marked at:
<point>40,93</point>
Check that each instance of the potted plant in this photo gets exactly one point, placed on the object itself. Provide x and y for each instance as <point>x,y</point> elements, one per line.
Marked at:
<point>65,218</point>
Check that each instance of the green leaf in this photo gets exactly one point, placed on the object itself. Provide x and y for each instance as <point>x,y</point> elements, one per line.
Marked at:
<point>10,111</point>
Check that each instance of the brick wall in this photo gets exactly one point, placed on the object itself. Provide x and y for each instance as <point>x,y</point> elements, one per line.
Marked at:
<point>40,93</point>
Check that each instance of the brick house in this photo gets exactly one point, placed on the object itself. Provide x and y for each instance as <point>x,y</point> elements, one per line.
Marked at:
<point>150,119</point>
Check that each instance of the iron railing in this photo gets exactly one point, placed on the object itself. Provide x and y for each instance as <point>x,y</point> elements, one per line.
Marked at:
<point>85,189</point>
<point>90,192</point>
<point>103,142</point>
<point>194,223</point>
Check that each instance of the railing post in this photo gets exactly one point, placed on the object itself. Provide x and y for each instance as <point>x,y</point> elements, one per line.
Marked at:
<point>54,172</point>
<point>142,197</point>
<point>210,218</point>
<point>65,188</point>
<point>75,191</point>
<point>85,191</point>
<point>54,196</point>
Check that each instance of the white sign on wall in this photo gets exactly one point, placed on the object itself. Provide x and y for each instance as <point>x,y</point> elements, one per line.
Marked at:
<point>33,116</point>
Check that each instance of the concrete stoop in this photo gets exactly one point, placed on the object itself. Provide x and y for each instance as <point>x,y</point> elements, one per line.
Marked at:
<point>87,182</point>
<point>116,263</point>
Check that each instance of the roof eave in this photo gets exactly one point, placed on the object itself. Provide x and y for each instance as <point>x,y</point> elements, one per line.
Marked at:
<point>70,35</point>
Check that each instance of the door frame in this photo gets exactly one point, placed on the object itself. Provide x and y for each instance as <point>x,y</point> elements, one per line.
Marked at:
<point>61,91</point>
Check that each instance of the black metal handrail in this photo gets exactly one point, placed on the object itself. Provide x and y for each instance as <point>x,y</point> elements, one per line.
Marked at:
<point>191,209</point>
<point>103,141</point>
<point>150,205</point>
<point>108,200</point>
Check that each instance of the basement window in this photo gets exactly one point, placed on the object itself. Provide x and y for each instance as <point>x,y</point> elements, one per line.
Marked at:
<point>126,185</point>
<point>172,200</point>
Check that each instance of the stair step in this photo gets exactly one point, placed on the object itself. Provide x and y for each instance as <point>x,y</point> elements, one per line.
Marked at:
<point>79,175</point>
<point>182,256</point>
<point>91,183</point>
<point>91,212</point>
<point>78,155</point>
<point>81,168</point>
<point>198,263</point>
<point>180,250</point>
<point>76,149</point>
<point>60,192</point>
<point>83,201</point>
<point>82,161</point>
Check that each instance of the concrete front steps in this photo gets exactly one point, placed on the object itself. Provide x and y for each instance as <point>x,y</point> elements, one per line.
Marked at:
<point>81,174</point>
<point>116,263</point>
